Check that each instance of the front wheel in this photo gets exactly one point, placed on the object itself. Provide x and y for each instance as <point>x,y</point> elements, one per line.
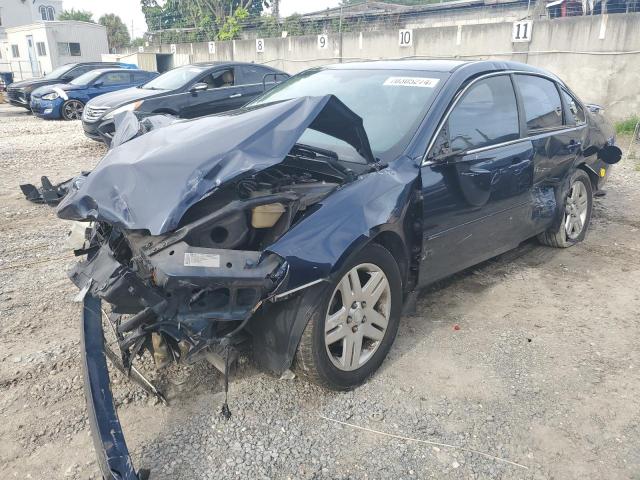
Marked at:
<point>577,214</point>
<point>349,337</point>
<point>72,109</point>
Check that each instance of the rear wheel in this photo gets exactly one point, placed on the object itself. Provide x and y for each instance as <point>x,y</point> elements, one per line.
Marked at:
<point>577,214</point>
<point>72,109</point>
<point>357,322</point>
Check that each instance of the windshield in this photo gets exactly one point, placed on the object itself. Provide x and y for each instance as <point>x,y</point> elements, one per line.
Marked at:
<point>87,78</point>
<point>392,103</point>
<point>58,72</point>
<point>173,79</point>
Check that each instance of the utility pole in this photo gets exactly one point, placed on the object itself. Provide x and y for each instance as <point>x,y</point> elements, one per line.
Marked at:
<point>340,35</point>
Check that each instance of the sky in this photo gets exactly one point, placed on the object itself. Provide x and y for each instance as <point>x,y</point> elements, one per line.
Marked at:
<point>129,10</point>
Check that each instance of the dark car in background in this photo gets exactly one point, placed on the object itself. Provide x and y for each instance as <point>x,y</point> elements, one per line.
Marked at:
<point>186,92</point>
<point>19,93</point>
<point>67,100</point>
<point>302,224</point>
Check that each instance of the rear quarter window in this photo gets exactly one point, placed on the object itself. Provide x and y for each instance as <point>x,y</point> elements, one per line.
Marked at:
<point>574,114</point>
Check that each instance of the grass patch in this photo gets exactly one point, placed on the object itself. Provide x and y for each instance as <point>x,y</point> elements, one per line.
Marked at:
<point>628,125</point>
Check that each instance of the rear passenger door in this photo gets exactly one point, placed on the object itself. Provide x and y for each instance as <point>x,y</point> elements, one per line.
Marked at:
<point>557,140</point>
<point>476,180</point>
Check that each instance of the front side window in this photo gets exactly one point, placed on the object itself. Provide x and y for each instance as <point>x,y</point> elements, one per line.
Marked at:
<point>542,106</point>
<point>486,115</point>
<point>223,78</point>
<point>575,113</point>
<point>42,49</point>
<point>15,51</point>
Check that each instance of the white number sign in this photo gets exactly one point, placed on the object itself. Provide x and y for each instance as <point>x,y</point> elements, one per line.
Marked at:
<point>259,45</point>
<point>140,49</point>
<point>405,38</point>
<point>521,31</point>
<point>212,47</point>
<point>323,41</point>
<point>173,48</point>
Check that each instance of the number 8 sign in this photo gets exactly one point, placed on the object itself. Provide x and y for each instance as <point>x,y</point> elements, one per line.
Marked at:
<point>259,45</point>
<point>405,38</point>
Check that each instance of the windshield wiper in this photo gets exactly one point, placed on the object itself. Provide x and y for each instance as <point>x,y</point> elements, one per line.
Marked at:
<point>330,157</point>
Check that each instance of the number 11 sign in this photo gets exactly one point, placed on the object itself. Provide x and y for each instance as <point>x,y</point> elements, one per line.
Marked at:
<point>521,31</point>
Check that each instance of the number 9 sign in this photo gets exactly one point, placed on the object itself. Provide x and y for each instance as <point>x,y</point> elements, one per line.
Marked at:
<point>259,45</point>
<point>323,41</point>
<point>405,38</point>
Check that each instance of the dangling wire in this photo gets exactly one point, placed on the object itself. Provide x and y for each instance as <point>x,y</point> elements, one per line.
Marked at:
<point>226,413</point>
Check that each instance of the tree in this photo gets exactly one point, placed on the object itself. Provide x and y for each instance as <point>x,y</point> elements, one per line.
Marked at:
<point>210,18</point>
<point>117,33</point>
<point>73,14</point>
<point>137,42</point>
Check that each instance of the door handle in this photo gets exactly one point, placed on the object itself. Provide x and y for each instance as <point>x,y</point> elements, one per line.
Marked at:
<point>235,95</point>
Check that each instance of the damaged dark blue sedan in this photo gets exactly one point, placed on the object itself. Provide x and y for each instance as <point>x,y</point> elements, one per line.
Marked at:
<point>303,223</point>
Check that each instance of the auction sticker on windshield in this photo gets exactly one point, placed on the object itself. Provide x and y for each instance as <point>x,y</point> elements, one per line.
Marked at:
<point>411,82</point>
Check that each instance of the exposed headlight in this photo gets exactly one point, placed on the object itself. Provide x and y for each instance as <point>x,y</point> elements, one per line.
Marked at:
<point>50,96</point>
<point>129,107</point>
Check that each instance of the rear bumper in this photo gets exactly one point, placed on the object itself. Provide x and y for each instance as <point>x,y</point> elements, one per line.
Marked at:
<point>108,440</point>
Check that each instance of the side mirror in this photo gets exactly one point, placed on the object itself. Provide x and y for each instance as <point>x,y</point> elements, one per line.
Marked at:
<point>98,84</point>
<point>199,87</point>
<point>610,154</point>
<point>66,78</point>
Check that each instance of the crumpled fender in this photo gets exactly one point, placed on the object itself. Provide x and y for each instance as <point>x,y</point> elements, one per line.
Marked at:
<point>345,221</point>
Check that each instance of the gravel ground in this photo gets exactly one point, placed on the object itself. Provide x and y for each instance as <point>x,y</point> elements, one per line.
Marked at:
<point>541,380</point>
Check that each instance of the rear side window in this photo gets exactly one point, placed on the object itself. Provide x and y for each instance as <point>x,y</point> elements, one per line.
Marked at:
<point>542,106</point>
<point>486,115</point>
<point>116,78</point>
<point>255,74</point>
<point>141,77</point>
<point>574,114</point>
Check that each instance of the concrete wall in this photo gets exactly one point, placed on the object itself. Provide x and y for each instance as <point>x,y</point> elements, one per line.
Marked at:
<point>598,56</point>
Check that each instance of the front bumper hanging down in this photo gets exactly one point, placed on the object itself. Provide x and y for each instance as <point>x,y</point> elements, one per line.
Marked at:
<point>113,456</point>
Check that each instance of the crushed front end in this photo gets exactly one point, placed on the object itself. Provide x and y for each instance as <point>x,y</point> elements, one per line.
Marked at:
<point>182,236</point>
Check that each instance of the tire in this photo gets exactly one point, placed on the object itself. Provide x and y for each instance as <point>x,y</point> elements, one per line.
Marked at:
<point>578,206</point>
<point>328,348</point>
<point>72,109</point>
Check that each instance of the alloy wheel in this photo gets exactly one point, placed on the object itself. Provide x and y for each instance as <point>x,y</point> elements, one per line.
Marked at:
<point>72,110</point>
<point>357,317</point>
<point>576,209</point>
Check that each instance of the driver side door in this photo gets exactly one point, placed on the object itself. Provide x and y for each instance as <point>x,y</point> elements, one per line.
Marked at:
<point>476,181</point>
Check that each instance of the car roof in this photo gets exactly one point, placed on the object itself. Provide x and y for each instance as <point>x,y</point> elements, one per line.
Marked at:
<point>224,63</point>
<point>119,70</point>
<point>444,65</point>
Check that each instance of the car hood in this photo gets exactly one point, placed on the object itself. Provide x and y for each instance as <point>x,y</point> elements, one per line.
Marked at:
<point>149,182</point>
<point>121,97</point>
<point>33,83</point>
<point>67,87</point>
